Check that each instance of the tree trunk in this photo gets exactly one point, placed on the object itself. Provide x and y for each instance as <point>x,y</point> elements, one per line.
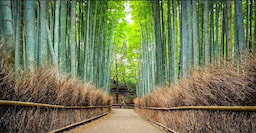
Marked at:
<point>240,29</point>
<point>250,29</point>
<point>174,44</point>
<point>216,44</point>
<point>158,41</point>
<point>163,39</point>
<point>223,32</point>
<point>7,22</point>
<point>73,38</point>
<point>85,77</point>
<point>93,42</point>
<point>201,45</point>
<point>170,54</point>
<point>184,38</point>
<point>50,45</point>
<point>229,37</point>
<point>236,44</point>
<point>17,39</point>
<point>30,32</point>
<point>195,35</point>
<point>247,25</point>
<point>211,8</point>
<point>56,29</point>
<point>63,22</point>
<point>190,35</point>
<point>206,29</point>
<point>254,26</point>
<point>42,47</point>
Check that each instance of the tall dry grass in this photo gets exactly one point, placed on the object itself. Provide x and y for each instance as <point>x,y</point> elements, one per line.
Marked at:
<point>223,85</point>
<point>48,87</point>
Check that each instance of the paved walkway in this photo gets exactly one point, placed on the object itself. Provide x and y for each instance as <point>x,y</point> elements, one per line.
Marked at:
<point>121,121</point>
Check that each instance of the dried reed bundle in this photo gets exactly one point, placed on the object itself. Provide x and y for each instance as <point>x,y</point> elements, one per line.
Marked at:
<point>225,85</point>
<point>45,86</point>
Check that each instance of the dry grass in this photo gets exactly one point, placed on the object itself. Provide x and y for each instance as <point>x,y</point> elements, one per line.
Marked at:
<point>45,87</point>
<point>215,86</point>
<point>203,121</point>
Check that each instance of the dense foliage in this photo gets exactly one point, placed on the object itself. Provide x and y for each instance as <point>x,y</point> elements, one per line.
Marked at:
<point>164,41</point>
<point>177,35</point>
<point>76,37</point>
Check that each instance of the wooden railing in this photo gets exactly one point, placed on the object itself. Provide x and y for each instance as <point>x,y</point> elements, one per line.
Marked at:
<point>66,128</point>
<point>226,108</point>
<point>31,104</point>
<point>19,103</point>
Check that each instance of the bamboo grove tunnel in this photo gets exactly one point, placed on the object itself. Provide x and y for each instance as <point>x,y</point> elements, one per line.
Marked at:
<point>181,65</point>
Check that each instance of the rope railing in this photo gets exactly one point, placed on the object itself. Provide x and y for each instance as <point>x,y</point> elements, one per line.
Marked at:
<point>226,108</point>
<point>31,104</point>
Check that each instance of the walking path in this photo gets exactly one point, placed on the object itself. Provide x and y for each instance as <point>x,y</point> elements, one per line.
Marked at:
<point>121,121</point>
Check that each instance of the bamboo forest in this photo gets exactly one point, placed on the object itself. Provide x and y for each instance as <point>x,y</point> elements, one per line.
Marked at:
<point>98,66</point>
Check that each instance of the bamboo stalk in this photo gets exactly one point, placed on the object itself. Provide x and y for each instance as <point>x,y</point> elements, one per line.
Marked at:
<point>31,104</point>
<point>226,108</point>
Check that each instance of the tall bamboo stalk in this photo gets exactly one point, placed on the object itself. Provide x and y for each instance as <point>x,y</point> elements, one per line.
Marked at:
<point>63,26</point>
<point>195,34</point>
<point>184,37</point>
<point>240,29</point>
<point>73,38</point>
<point>216,44</point>
<point>175,43</point>
<point>7,22</point>
<point>206,30</point>
<point>229,37</point>
<point>56,29</point>
<point>87,42</point>
<point>17,39</point>
<point>30,32</point>
<point>42,47</point>
<point>190,35</point>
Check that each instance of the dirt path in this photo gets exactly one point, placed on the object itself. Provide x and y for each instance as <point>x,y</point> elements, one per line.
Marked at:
<point>120,121</point>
